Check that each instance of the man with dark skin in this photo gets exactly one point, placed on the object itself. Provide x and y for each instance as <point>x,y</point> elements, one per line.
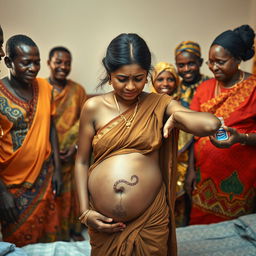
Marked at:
<point>28,185</point>
<point>69,98</point>
<point>188,62</point>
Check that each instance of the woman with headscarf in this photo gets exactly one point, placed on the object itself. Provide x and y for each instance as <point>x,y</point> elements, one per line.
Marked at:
<point>225,169</point>
<point>165,79</point>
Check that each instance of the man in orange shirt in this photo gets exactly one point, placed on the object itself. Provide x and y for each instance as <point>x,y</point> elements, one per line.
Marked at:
<point>29,162</point>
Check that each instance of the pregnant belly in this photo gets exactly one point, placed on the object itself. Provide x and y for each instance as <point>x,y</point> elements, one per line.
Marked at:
<point>123,186</point>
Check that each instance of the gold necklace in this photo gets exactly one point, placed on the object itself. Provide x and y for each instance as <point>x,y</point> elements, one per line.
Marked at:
<point>128,122</point>
<point>217,88</point>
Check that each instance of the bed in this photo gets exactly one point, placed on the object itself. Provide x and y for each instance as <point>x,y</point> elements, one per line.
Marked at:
<point>229,238</point>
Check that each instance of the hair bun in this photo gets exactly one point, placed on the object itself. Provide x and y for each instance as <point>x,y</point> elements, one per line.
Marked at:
<point>247,35</point>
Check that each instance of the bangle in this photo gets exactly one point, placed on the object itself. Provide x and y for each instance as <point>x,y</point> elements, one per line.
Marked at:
<point>76,147</point>
<point>1,132</point>
<point>245,139</point>
<point>84,217</point>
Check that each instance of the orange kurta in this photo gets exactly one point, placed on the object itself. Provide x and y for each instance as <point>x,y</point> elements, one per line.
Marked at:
<point>153,233</point>
<point>26,165</point>
<point>26,134</point>
<point>69,103</point>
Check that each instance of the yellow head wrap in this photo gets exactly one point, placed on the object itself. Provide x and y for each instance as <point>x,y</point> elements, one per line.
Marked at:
<point>188,46</point>
<point>164,66</point>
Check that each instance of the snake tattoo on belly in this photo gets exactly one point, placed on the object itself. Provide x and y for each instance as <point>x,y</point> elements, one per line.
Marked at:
<point>119,210</point>
<point>121,189</point>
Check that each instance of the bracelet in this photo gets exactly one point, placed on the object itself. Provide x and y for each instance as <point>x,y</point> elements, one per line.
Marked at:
<point>76,147</point>
<point>1,132</point>
<point>245,139</point>
<point>84,217</point>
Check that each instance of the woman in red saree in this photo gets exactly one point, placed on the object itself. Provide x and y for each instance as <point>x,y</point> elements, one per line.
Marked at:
<point>127,195</point>
<point>226,170</point>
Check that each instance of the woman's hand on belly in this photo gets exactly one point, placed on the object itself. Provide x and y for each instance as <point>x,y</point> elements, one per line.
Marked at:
<point>103,224</point>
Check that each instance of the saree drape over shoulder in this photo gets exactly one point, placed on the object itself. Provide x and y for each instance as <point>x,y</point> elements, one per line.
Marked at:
<point>226,178</point>
<point>152,232</point>
<point>69,103</point>
<point>25,164</point>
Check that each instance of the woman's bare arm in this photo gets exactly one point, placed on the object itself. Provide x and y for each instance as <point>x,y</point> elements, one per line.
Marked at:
<point>86,134</point>
<point>198,123</point>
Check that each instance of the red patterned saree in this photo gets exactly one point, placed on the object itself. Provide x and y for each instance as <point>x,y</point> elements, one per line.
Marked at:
<point>226,178</point>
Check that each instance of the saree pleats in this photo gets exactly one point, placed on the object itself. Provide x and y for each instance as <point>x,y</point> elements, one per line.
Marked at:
<point>141,236</point>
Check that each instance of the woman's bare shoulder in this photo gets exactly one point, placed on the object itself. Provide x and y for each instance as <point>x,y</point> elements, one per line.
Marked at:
<point>96,104</point>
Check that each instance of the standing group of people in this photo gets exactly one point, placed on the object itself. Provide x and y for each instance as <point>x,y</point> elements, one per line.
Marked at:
<point>129,146</point>
<point>216,179</point>
<point>39,121</point>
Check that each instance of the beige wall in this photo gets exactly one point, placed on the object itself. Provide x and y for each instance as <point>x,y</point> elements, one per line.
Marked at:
<point>87,26</point>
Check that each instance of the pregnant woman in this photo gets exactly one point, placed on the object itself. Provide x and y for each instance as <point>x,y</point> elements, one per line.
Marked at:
<point>126,196</point>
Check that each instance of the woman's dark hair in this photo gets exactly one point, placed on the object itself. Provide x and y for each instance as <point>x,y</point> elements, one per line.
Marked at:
<point>239,42</point>
<point>126,49</point>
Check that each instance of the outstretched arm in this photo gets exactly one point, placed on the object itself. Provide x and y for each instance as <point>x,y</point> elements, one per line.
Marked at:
<point>198,123</point>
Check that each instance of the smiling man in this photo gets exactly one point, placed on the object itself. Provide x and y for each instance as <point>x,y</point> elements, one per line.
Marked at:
<point>69,98</point>
<point>29,176</point>
<point>188,61</point>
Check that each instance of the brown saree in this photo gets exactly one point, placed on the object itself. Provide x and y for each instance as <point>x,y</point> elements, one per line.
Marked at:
<point>152,233</point>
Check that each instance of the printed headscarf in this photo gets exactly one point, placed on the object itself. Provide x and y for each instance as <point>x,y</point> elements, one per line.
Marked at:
<point>188,46</point>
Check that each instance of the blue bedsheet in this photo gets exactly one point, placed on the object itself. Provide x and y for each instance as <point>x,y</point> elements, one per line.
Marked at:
<point>234,238</point>
<point>229,238</point>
